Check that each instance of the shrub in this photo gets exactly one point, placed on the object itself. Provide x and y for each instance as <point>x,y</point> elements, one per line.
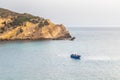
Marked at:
<point>19,20</point>
<point>43,23</point>
<point>2,30</point>
<point>19,31</point>
<point>46,22</point>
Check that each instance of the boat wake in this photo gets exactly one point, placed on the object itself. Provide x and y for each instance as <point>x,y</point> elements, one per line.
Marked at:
<point>103,58</point>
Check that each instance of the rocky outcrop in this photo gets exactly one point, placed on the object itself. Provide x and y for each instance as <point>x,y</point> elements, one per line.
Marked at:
<point>15,26</point>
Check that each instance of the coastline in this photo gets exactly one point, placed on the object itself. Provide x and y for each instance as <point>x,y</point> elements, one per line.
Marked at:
<point>38,39</point>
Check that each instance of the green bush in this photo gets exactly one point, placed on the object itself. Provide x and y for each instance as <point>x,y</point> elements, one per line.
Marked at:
<point>2,30</point>
<point>19,31</point>
<point>46,22</point>
<point>20,20</point>
<point>43,23</point>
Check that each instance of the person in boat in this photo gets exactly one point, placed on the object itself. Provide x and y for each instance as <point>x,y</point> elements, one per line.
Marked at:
<point>75,54</point>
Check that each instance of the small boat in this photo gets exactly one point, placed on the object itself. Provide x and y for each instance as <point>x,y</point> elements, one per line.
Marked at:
<point>75,56</point>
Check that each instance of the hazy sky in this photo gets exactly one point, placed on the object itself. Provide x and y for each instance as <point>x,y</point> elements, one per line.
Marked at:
<point>70,12</point>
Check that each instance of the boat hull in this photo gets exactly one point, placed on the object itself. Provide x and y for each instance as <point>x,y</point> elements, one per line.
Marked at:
<point>74,56</point>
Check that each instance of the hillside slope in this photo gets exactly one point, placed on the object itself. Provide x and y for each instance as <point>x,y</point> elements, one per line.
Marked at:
<point>16,26</point>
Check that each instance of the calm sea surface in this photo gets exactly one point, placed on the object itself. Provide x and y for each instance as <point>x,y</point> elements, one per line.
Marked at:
<point>50,60</point>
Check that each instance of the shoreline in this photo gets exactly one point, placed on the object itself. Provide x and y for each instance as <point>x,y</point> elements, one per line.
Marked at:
<point>39,39</point>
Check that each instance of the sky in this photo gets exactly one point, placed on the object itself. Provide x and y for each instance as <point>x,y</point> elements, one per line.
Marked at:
<point>83,13</point>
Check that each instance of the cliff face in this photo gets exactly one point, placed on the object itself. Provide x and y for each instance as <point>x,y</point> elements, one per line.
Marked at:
<point>15,26</point>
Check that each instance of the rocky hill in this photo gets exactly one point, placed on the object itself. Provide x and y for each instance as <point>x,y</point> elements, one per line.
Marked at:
<point>16,26</point>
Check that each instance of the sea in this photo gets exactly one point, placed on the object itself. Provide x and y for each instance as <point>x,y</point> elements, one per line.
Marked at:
<point>50,59</point>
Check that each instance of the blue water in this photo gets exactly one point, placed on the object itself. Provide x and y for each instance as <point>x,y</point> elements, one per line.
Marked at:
<point>50,60</point>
